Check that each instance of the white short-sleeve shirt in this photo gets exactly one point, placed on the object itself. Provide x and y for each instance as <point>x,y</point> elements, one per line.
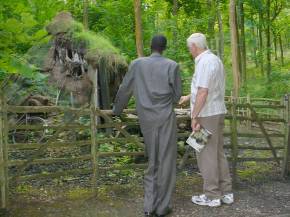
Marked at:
<point>209,73</point>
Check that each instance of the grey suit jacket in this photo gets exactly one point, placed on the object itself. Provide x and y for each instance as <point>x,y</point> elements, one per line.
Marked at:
<point>156,84</point>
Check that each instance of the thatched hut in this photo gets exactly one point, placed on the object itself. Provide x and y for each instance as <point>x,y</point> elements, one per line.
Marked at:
<point>82,63</point>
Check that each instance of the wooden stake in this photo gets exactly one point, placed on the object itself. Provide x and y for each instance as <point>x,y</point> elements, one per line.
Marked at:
<point>3,157</point>
<point>286,163</point>
<point>94,151</point>
<point>234,141</point>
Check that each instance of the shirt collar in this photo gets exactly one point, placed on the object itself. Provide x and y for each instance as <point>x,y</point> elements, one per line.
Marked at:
<point>155,54</point>
<point>197,59</point>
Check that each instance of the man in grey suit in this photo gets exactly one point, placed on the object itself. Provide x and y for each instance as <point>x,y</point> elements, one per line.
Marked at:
<point>156,85</point>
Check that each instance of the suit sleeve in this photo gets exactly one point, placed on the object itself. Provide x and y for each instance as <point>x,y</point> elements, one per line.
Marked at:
<point>175,83</point>
<point>124,93</point>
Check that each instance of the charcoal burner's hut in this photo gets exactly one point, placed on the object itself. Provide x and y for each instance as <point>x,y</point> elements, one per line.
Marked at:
<point>85,65</point>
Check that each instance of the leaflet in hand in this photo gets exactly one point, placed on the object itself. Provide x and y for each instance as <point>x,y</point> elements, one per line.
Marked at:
<point>199,139</point>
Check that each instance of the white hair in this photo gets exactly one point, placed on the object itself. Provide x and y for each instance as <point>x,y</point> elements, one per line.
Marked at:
<point>198,39</point>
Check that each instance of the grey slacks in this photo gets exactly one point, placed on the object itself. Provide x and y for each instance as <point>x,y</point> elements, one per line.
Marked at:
<point>160,176</point>
<point>211,160</point>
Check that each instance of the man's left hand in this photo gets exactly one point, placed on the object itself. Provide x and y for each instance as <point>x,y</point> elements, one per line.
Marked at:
<point>195,125</point>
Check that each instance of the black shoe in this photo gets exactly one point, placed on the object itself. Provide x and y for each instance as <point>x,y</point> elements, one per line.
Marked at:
<point>148,214</point>
<point>169,211</point>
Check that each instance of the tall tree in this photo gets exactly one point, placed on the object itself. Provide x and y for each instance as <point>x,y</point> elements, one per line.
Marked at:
<point>261,47</point>
<point>85,14</point>
<point>221,31</point>
<point>281,50</point>
<point>242,42</point>
<point>268,39</point>
<point>234,48</point>
<point>175,29</point>
<point>138,28</point>
<point>211,23</point>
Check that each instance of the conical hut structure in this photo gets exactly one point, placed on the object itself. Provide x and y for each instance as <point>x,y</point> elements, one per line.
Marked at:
<point>82,63</point>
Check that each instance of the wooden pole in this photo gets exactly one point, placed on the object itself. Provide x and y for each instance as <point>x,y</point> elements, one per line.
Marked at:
<point>286,160</point>
<point>249,123</point>
<point>234,141</point>
<point>5,143</point>
<point>3,155</point>
<point>94,149</point>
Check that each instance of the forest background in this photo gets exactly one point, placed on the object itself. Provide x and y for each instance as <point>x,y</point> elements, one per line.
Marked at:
<point>262,26</point>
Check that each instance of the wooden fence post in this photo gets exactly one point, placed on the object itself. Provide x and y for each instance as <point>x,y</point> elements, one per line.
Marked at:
<point>286,160</point>
<point>234,140</point>
<point>94,151</point>
<point>249,122</point>
<point>3,153</point>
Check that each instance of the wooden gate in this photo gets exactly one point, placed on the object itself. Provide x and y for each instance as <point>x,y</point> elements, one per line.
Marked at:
<point>84,120</point>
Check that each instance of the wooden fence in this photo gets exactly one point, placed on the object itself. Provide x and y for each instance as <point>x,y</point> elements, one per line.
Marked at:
<point>14,170</point>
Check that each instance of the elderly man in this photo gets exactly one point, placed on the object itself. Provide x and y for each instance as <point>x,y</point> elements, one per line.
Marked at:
<point>208,110</point>
<point>156,84</point>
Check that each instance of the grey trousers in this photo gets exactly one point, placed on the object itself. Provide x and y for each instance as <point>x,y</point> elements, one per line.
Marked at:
<point>212,162</point>
<point>160,176</point>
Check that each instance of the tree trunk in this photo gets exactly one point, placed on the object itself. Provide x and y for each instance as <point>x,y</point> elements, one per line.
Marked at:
<point>275,45</point>
<point>242,42</point>
<point>281,50</point>
<point>138,28</point>
<point>85,15</point>
<point>175,29</point>
<point>268,38</point>
<point>261,48</point>
<point>234,48</point>
<point>254,45</point>
<point>221,33</point>
<point>211,22</point>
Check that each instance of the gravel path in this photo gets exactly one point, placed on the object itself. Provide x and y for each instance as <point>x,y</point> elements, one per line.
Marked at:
<point>268,199</point>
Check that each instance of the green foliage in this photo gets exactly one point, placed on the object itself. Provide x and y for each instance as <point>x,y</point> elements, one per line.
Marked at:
<point>19,30</point>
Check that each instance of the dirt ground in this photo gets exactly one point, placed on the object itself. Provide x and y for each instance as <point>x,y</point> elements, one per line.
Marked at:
<point>267,199</point>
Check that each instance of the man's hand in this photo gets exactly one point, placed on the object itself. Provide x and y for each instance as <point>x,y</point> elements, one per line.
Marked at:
<point>195,125</point>
<point>184,99</point>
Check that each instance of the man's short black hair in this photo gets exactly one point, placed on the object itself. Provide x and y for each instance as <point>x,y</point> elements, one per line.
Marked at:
<point>158,43</point>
